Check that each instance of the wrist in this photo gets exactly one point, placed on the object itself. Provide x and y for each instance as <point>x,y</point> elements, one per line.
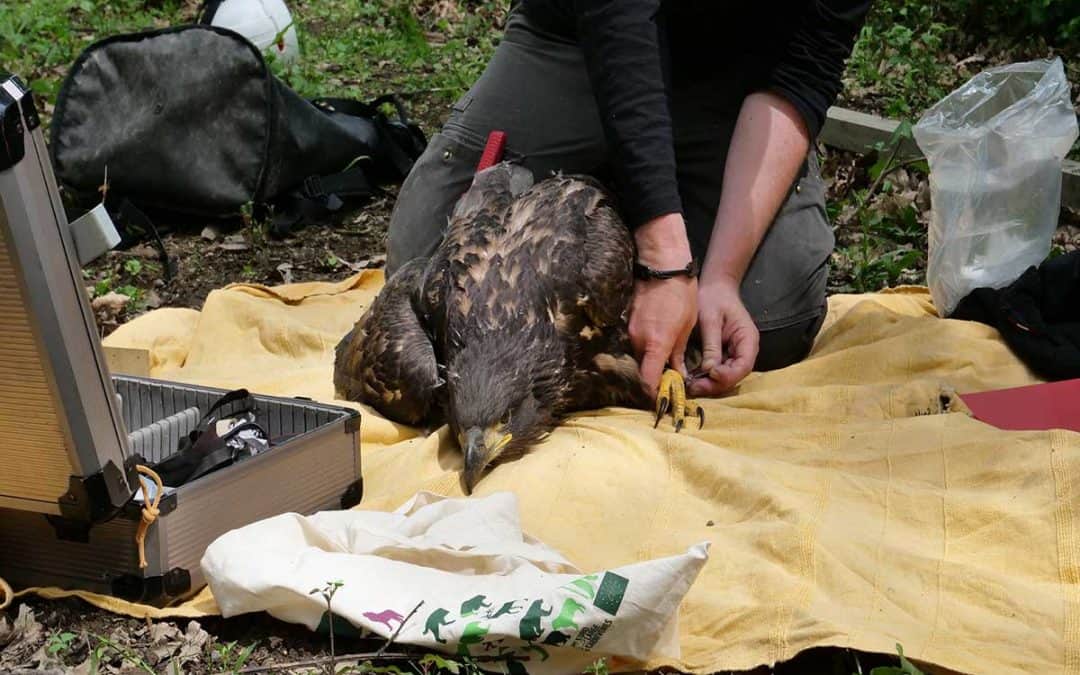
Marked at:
<point>662,242</point>
<point>719,277</point>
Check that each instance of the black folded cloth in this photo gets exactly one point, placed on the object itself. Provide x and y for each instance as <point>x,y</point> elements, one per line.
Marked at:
<point>1038,315</point>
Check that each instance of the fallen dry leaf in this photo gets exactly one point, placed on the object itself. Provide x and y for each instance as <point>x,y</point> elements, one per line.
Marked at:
<point>26,626</point>
<point>21,640</point>
<point>110,305</point>
<point>359,265</point>
<point>143,251</point>
<point>194,642</point>
<point>45,662</point>
<point>151,300</point>
<point>922,196</point>
<point>160,632</point>
<point>234,242</point>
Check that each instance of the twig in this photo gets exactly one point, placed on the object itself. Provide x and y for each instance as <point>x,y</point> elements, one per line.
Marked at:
<point>364,656</point>
<point>429,90</point>
<point>884,172</point>
<point>881,176</point>
<point>397,632</point>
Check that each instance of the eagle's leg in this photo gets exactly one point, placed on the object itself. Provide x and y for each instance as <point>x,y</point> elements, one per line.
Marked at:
<point>672,397</point>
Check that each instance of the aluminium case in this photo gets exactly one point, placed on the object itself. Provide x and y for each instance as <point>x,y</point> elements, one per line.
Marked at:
<point>71,432</point>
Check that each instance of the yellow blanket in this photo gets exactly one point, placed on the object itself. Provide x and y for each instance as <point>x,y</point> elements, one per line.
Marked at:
<point>849,499</point>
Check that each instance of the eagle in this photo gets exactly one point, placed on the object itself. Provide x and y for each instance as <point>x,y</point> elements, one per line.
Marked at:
<point>518,318</point>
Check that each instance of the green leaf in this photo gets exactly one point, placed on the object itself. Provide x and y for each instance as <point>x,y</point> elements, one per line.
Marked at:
<point>442,664</point>
<point>906,666</point>
<point>133,267</point>
<point>245,654</point>
<point>903,131</point>
<point>102,287</point>
<point>60,642</point>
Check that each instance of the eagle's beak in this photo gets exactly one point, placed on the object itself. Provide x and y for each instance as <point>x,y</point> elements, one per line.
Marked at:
<point>481,446</point>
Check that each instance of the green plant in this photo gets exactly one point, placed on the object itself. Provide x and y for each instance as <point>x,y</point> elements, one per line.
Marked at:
<point>888,243</point>
<point>131,291</point>
<point>103,287</point>
<point>898,53</point>
<point>133,266</point>
<point>905,667</point>
<point>598,667</point>
<point>1053,20</point>
<point>328,590</point>
<point>435,663</point>
<point>126,656</point>
<point>232,657</point>
<point>134,295</point>
<point>255,225</point>
<point>59,642</point>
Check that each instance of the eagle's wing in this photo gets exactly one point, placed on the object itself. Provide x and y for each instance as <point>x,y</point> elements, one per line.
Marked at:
<point>478,219</point>
<point>589,271</point>
<point>387,360</point>
<point>608,373</point>
<point>596,316</point>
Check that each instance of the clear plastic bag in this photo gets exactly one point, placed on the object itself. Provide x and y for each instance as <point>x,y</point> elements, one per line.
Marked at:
<point>995,148</point>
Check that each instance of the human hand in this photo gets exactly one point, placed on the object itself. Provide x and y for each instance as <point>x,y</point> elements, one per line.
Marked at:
<point>729,338</point>
<point>663,311</point>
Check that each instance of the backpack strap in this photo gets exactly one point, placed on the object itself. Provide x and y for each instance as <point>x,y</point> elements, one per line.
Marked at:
<point>134,225</point>
<point>207,10</point>
<point>318,198</point>
<point>403,140</point>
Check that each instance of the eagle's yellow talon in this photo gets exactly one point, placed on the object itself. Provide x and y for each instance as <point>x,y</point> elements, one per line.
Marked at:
<point>672,397</point>
<point>662,405</point>
<point>700,415</point>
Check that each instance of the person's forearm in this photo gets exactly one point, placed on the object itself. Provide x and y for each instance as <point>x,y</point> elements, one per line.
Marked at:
<point>767,148</point>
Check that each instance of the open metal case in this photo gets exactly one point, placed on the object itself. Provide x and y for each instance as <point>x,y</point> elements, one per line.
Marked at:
<point>71,432</point>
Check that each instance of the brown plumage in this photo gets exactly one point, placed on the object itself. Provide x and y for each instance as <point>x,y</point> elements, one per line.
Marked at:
<point>518,319</point>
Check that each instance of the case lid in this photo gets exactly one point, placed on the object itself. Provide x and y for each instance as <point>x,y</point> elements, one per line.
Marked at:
<point>62,440</point>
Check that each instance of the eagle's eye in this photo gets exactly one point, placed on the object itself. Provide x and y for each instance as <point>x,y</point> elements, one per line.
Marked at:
<point>505,421</point>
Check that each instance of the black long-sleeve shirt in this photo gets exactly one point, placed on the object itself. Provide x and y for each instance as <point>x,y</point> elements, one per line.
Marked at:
<point>636,49</point>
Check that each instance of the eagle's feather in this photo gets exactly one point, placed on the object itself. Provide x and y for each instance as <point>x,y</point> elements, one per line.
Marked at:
<point>516,320</point>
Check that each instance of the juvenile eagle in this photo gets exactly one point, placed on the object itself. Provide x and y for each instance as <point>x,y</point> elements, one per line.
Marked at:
<point>516,320</point>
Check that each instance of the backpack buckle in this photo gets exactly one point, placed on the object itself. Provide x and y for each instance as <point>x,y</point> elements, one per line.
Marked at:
<point>313,188</point>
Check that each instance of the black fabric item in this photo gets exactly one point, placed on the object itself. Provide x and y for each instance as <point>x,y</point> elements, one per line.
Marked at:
<point>208,10</point>
<point>190,120</point>
<point>1038,316</point>
<point>202,450</point>
<point>317,199</point>
<point>135,226</point>
<point>637,50</point>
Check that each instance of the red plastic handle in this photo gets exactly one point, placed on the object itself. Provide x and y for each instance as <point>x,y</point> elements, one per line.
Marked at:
<point>493,150</point>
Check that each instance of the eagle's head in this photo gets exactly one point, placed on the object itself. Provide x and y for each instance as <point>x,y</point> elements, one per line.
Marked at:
<point>503,395</point>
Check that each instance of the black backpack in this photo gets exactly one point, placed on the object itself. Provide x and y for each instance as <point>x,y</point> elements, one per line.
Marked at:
<point>190,120</point>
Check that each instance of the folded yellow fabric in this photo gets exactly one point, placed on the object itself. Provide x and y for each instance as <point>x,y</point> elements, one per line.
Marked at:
<point>849,500</point>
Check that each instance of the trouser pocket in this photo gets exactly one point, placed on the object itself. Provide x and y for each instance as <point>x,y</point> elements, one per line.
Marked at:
<point>438,178</point>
